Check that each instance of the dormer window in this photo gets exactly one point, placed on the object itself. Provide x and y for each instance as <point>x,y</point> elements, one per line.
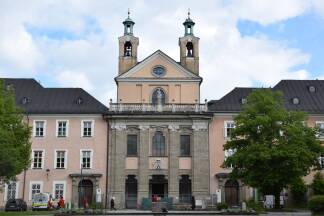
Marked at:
<point>25,100</point>
<point>311,89</point>
<point>79,101</point>
<point>243,100</point>
<point>295,101</point>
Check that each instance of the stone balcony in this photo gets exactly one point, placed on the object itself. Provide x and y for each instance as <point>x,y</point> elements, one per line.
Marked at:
<point>148,107</point>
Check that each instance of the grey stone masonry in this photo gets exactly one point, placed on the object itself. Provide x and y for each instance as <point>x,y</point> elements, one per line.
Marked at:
<point>143,179</point>
<point>200,161</point>
<point>174,152</point>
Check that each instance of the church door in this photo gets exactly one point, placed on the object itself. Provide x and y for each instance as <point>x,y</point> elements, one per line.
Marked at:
<point>232,192</point>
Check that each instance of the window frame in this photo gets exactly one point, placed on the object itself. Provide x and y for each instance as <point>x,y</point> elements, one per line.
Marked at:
<point>181,145</point>
<point>31,183</point>
<point>316,125</point>
<point>127,144</point>
<point>34,128</point>
<point>66,129</point>
<point>6,190</point>
<point>153,145</point>
<point>55,182</point>
<point>91,158</point>
<point>43,159</point>
<point>65,158</point>
<point>92,127</point>
<point>225,128</point>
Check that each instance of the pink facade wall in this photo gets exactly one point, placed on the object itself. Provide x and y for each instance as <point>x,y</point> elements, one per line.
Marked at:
<point>72,145</point>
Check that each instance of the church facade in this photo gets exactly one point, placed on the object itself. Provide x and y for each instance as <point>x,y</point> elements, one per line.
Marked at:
<point>158,129</point>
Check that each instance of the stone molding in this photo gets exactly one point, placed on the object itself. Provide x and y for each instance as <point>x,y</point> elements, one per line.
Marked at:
<point>201,126</point>
<point>173,127</point>
<point>118,126</point>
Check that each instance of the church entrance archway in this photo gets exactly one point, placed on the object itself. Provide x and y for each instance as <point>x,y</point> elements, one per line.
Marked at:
<point>232,192</point>
<point>131,192</point>
<point>159,186</point>
<point>85,193</point>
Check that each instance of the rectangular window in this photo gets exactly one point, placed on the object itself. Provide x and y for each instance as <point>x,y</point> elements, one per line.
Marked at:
<point>11,190</point>
<point>35,188</point>
<point>320,126</point>
<point>61,128</point>
<point>58,190</point>
<point>185,145</point>
<point>86,159</point>
<point>131,145</point>
<point>321,161</point>
<point>60,159</point>
<point>87,129</point>
<point>39,128</point>
<point>228,127</point>
<point>38,159</point>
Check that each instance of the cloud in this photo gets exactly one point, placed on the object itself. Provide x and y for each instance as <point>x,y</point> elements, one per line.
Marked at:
<point>269,11</point>
<point>75,42</point>
<point>74,79</point>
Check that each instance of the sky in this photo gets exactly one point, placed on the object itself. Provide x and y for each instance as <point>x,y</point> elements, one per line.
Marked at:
<point>243,43</point>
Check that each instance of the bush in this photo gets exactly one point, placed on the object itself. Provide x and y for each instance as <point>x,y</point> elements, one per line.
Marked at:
<point>318,184</point>
<point>298,190</point>
<point>221,206</point>
<point>316,203</point>
<point>253,205</point>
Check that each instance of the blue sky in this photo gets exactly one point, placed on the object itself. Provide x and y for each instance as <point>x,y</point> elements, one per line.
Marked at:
<point>73,43</point>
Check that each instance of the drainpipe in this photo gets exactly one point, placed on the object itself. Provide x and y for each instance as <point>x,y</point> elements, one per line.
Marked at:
<point>25,170</point>
<point>107,159</point>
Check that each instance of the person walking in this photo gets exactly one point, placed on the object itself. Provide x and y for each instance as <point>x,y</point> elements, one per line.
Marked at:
<point>193,203</point>
<point>112,203</point>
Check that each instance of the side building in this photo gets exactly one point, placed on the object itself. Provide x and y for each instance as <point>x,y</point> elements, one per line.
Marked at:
<point>299,95</point>
<point>69,144</point>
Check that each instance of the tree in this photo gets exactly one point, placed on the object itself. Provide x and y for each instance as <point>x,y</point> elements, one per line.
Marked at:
<point>318,184</point>
<point>273,146</point>
<point>14,136</point>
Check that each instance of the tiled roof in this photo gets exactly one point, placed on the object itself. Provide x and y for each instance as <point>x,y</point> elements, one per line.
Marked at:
<point>297,91</point>
<point>35,99</point>
<point>231,102</point>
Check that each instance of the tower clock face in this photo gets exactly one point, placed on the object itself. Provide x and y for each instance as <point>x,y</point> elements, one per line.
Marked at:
<point>158,71</point>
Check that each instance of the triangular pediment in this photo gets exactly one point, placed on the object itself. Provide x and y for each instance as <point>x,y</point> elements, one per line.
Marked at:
<point>144,69</point>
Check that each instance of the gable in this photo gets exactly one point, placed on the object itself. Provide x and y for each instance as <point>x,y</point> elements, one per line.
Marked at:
<point>144,69</point>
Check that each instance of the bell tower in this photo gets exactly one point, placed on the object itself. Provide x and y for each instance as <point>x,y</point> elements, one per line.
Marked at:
<point>189,47</point>
<point>128,44</point>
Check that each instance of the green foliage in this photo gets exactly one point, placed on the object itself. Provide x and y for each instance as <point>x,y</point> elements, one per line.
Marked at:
<point>298,189</point>
<point>273,146</point>
<point>318,184</point>
<point>253,205</point>
<point>14,136</point>
<point>316,203</point>
<point>221,206</point>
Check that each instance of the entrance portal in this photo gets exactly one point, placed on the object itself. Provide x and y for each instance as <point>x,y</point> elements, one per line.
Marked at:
<point>131,192</point>
<point>159,186</point>
<point>85,193</point>
<point>232,192</point>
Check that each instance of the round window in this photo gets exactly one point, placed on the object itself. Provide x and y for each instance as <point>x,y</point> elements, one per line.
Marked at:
<point>158,71</point>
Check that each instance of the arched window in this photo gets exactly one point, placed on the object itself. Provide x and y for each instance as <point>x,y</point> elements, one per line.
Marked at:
<point>158,147</point>
<point>189,49</point>
<point>128,49</point>
<point>158,96</point>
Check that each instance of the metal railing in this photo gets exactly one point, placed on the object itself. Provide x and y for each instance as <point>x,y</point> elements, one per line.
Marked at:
<point>148,107</point>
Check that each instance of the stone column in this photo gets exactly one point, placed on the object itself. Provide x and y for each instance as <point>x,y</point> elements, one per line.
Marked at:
<point>121,140</point>
<point>143,166</point>
<point>200,160</point>
<point>174,152</point>
<point>117,154</point>
<point>75,192</point>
